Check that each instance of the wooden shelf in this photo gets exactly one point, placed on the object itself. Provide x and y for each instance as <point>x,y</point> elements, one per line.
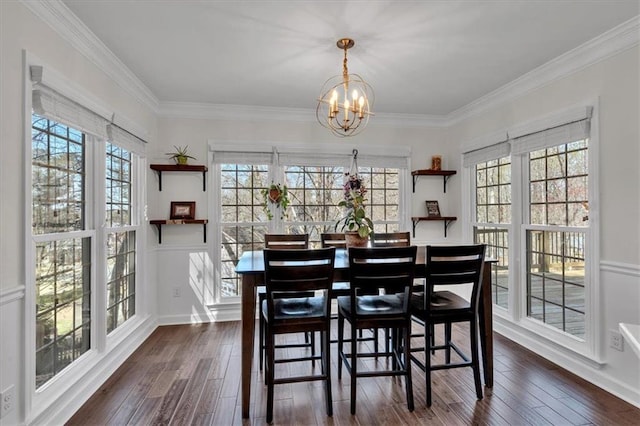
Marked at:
<point>446,174</point>
<point>159,222</point>
<point>159,168</point>
<point>446,219</point>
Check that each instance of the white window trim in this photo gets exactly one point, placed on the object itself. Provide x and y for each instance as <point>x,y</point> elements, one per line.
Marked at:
<point>591,349</point>
<point>276,174</point>
<point>36,402</point>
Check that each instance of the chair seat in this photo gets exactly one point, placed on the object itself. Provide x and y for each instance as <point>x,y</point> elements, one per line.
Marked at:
<point>299,308</point>
<point>442,303</point>
<point>383,305</point>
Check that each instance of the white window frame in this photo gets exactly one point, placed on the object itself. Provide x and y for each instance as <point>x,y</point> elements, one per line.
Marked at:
<point>38,401</point>
<point>515,317</point>
<point>368,157</point>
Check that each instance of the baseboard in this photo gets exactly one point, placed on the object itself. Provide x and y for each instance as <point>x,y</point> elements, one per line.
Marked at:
<point>568,361</point>
<point>67,404</point>
<point>217,313</point>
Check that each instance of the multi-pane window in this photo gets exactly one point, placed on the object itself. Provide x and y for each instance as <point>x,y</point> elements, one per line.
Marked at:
<point>556,237</point>
<point>243,220</point>
<point>121,241</point>
<point>62,261</point>
<point>492,217</point>
<point>314,192</point>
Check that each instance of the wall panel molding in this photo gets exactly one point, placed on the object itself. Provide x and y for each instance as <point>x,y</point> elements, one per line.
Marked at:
<point>11,294</point>
<point>620,268</point>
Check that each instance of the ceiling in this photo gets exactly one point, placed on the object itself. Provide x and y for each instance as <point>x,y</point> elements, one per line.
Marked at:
<point>421,57</point>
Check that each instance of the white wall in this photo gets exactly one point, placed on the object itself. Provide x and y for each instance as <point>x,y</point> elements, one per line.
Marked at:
<point>615,82</point>
<point>21,30</point>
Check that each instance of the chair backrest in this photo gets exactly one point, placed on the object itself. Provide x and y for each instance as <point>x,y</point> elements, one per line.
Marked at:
<point>391,239</point>
<point>287,273</point>
<point>389,268</point>
<point>333,239</point>
<point>454,265</point>
<point>286,241</point>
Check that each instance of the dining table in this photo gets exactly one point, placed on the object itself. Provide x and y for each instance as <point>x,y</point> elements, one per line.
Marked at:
<point>250,267</point>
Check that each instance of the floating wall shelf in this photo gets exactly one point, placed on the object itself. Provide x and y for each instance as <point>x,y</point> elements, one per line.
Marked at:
<point>446,174</point>
<point>446,219</point>
<point>160,222</point>
<point>159,168</point>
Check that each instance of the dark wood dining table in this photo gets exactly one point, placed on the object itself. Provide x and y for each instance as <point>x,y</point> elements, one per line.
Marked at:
<point>251,267</point>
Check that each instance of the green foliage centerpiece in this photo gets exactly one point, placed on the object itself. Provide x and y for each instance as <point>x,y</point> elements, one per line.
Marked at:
<point>180,156</point>
<point>356,220</point>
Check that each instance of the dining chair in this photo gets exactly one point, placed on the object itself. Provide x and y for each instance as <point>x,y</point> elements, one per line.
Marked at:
<point>391,239</point>
<point>287,273</point>
<point>283,242</point>
<point>449,266</point>
<point>371,270</point>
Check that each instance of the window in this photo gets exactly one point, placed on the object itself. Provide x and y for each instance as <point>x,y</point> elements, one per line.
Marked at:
<point>314,191</point>
<point>548,229</point>
<point>63,258</point>
<point>243,222</point>
<point>556,237</point>
<point>121,238</point>
<point>492,211</point>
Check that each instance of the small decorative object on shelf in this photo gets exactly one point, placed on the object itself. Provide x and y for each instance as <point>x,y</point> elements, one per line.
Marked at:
<point>183,210</point>
<point>181,155</point>
<point>356,220</point>
<point>436,162</point>
<point>275,196</point>
<point>433,210</point>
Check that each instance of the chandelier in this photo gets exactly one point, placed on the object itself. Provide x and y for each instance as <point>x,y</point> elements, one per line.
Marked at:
<point>345,101</point>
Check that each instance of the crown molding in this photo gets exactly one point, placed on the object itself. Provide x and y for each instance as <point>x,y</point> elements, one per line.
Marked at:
<point>58,16</point>
<point>609,43</point>
<point>194,110</point>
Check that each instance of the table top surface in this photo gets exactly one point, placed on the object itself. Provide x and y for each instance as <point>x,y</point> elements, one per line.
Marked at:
<point>253,261</point>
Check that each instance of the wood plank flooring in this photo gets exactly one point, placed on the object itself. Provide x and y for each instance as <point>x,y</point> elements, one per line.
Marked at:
<point>190,375</point>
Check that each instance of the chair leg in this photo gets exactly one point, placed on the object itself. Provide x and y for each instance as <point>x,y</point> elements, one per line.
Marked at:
<point>270,367</point>
<point>386,340</point>
<point>432,335</point>
<point>326,359</point>
<point>261,338</point>
<point>447,343</point>
<point>427,362</point>
<point>407,367</point>
<point>313,347</point>
<point>354,366</point>
<point>475,361</point>
<point>340,344</point>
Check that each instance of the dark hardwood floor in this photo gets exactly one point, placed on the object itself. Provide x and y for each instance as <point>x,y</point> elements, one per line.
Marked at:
<point>190,375</point>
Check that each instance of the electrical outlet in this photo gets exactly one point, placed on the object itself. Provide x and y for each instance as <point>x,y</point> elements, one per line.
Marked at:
<point>615,340</point>
<point>7,400</point>
<point>176,292</point>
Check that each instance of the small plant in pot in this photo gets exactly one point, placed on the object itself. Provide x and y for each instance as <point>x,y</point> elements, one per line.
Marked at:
<point>275,196</point>
<point>356,220</point>
<point>180,156</point>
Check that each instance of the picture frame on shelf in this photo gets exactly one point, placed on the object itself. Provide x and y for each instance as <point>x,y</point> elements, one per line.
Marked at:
<point>433,209</point>
<point>183,210</point>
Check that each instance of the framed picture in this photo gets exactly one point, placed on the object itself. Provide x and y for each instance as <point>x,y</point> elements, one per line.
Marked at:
<point>183,210</point>
<point>433,210</point>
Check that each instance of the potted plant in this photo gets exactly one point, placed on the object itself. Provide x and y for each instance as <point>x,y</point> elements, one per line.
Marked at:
<point>275,195</point>
<point>180,155</point>
<point>355,224</point>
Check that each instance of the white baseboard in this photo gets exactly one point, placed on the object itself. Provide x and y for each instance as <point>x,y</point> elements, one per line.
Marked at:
<point>67,404</point>
<point>217,313</point>
<point>568,361</point>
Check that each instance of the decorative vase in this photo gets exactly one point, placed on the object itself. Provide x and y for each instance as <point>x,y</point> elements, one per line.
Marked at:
<point>353,239</point>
